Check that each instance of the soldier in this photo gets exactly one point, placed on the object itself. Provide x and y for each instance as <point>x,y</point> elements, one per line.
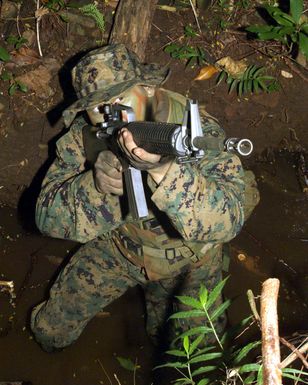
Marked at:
<point>195,208</point>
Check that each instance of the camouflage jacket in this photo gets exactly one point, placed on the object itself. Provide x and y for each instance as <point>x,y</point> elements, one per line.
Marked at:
<point>196,207</point>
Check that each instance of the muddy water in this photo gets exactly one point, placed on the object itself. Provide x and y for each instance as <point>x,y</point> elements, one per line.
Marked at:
<point>273,243</point>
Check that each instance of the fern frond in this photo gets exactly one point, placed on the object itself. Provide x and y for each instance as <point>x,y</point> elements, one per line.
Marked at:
<point>91,10</point>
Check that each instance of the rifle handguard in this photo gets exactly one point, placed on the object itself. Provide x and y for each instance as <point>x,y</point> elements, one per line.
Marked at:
<point>158,138</point>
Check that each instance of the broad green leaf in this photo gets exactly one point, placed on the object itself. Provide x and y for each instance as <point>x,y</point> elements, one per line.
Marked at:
<point>12,89</point>
<point>170,48</point>
<point>22,87</point>
<point>183,381</point>
<point>64,18</point>
<point>304,28</point>
<point>189,31</point>
<point>16,41</point>
<point>187,314</point>
<point>178,365</point>
<point>296,9</point>
<point>214,294</point>
<point>204,350</point>
<point>293,377</point>
<point>249,368</point>
<point>191,61</point>
<point>250,379</point>
<point>273,33</point>
<point>177,353</point>
<point>285,31</point>
<point>259,28</point>
<point>127,364</point>
<point>203,295</point>
<point>195,344</point>
<point>204,369</point>
<point>221,309</point>
<point>186,344</point>
<point>6,76</point>
<point>303,44</point>
<point>204,381</point>
<point>196,330</point>
<point>294,37</point>
<point>279,16</point>
<point>12,39</point>
<point>4,55</point>
<point>244,351</point>
<point>260,376</point>
<point>205,357</point>
<point>294,371</point>
<point>189,301</point>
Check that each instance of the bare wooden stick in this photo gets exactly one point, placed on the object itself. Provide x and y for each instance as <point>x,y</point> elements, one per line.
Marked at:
<point>253,307</point>
<point>38,18</point>
<point>297,353</point>
<point>270,335</point>
<point>195,14</point>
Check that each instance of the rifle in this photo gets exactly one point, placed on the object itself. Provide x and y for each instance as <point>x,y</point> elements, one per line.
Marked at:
<point>185,142</point>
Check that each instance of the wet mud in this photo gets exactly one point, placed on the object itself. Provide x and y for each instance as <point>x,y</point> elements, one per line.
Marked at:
<point>273,243</point>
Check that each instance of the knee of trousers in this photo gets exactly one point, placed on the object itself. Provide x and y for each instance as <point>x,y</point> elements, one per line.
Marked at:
<point>49,332</point>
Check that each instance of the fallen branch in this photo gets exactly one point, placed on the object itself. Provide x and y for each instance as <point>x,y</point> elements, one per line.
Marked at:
<point>297,353</point>
<point>294,69</point>
<point>38,18</point>
<point>253,307</point>
<point>195,15</point>
<point>270,335</point>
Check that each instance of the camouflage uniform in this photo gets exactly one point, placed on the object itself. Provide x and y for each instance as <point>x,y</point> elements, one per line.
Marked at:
<point>193,211</point>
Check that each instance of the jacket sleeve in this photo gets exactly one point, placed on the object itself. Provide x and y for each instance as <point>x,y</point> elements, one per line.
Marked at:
<point>69,206</point>
<point>204,200</point>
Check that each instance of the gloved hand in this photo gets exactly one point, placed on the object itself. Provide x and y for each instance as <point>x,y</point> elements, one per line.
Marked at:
<point>108,173</point>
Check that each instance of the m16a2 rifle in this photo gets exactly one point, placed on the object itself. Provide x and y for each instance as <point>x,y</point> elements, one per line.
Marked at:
<point>185,142</point>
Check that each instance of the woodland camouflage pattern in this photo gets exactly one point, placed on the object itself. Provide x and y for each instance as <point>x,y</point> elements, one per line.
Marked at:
<point>193,211</point>
<point>105,73</point>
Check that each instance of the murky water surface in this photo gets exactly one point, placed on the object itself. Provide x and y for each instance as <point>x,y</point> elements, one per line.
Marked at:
<point>273,243</point>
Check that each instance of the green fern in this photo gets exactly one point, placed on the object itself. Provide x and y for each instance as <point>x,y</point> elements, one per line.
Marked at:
<point>253,80</point>
<point>91,10</point>
<point>192,55</point>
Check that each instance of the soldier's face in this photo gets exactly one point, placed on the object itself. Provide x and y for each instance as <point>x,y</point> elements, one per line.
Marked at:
<point>137,98</point>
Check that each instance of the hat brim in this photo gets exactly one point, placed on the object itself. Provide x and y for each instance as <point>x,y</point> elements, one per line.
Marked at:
<point>107,95</point>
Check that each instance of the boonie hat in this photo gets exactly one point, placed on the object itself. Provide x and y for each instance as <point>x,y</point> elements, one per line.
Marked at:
<point>105,73</point>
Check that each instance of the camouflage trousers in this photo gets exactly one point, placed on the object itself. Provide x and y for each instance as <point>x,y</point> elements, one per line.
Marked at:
<point>97,275</point>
